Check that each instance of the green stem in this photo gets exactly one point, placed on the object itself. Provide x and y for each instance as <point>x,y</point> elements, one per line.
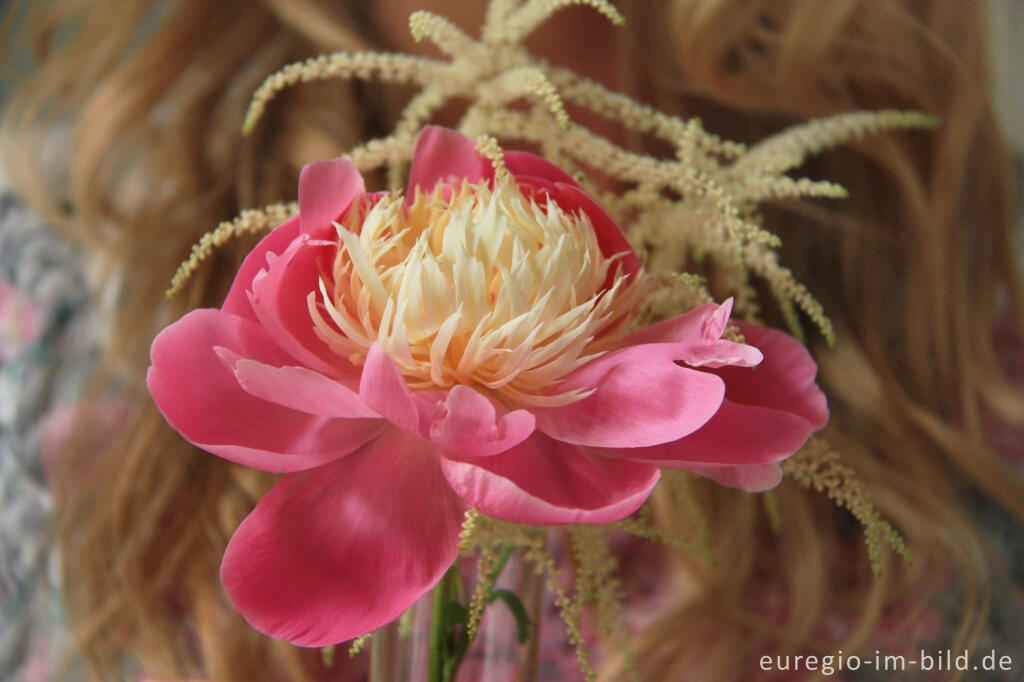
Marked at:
<point>438,645</point>
<point>503,556</point>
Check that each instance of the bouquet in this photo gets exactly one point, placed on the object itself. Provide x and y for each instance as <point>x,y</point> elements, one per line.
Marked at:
<point>501,345</point>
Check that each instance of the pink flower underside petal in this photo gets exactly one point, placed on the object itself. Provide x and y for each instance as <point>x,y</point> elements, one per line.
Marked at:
<point>458,420</point>
<point>753,478</point>
<point>546,482</point>
<point>201,398</point>
<point>443,154</point>
<point>785,380</point>
<point>697,334</point>
<point>237,301</point>
<point>736,435</point>
<point>641,398</point>
<point>279,296</point>
<point>326,190</point>
<point>296,387</point>
<point>338,551</point>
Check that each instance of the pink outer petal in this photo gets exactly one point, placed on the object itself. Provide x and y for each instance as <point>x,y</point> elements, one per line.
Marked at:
<point>326,190</point>
<point>768,412</point>
<point>642,398</point>
<point>201,398</point>
<point>336,552</point>
<point>237,301</point>
<point>459,420</point>
<point>698,335</point>
<point>754,478</point>
<point>737,434</point>
<point>279,296</point>
<point>296,387</point>
<point>443,154</point>
<point>527,165</point>
<point>544,482</point>
<point>785,380</point>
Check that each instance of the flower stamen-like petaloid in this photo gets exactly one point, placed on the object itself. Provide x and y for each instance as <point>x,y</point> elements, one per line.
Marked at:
<point>474,285</point>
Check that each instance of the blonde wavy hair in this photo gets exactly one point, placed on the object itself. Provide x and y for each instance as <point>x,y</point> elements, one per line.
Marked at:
<point>146,98</point>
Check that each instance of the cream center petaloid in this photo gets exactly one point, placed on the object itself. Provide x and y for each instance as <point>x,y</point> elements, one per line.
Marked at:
<point>474,285</point>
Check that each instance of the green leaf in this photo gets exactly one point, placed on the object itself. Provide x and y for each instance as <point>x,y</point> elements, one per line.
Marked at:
<point>456,638</point>
<point>517,609</point>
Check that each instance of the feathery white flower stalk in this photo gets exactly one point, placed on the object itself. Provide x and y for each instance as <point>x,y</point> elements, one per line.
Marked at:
<point>477,286</point>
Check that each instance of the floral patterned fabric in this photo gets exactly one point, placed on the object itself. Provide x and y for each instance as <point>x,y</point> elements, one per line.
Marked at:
<point>44,353</point>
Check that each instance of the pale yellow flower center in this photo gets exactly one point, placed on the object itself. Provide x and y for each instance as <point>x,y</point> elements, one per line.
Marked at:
<point>474,286</point>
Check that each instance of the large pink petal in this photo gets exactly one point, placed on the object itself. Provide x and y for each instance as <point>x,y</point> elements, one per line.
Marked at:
<point>443,154</point>
<point>641,398</point>
<point>277,242</point>
<point>545,482</point>
<point>326,190</point>
<point>784,381</point>
<point>753,478</point>
<point>279,297</point>
<point>736,434</point>
<point>201,398</point>
<point>335,552</point>
<point>467,423</point>
<point>296,387</point>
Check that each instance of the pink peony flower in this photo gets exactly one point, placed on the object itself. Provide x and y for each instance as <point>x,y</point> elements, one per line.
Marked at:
<point>403,359</point>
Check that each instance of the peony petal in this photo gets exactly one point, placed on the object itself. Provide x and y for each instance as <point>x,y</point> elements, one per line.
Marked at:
<point>698,335</point>
<point>785,380</point>
<point>530,166</point>
<point>466,423</point>
<point>737,434</point>
<point>545,482</point>
<point>383,389</point>
<point>443,154</point>
<point>326,190</point>
<point>641,398</point>
<point>201,398</point>
<point>277,242</point>
<point>279,298</point>
<point>686,329</point>
<point>768,412</point>
<point>336,552</point>
<point>753,478</point>
<point>296,387</point>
